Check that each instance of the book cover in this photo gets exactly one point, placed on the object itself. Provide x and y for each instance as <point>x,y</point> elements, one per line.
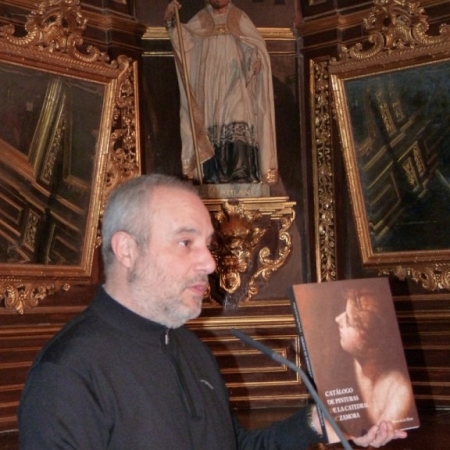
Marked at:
<point>353,352</point>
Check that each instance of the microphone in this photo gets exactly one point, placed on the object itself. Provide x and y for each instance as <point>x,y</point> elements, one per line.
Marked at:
<point>280,359</point>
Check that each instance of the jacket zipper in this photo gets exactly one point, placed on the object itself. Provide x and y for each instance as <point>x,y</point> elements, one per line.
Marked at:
<point>171,352</point>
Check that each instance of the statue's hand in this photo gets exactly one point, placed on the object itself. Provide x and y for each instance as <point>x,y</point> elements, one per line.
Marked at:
<point>257,67</point>
<point>170,10</point>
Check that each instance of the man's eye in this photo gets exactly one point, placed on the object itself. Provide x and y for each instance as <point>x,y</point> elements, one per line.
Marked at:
<point>185,243</point>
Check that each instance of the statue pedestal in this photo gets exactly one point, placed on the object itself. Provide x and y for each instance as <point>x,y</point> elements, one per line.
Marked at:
<point>237,190</point>
<point>252,240</point>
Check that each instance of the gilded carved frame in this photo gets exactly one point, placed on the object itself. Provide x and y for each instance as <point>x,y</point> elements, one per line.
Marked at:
<point>68,136</point>
<point>393,133</point>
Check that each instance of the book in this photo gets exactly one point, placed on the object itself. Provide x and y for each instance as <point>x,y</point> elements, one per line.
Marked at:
<point>353,352</point>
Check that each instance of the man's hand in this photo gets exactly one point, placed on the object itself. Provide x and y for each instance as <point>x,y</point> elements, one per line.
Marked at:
<point>380,435</point>
<point>170,10</point>
<point>376,437</point>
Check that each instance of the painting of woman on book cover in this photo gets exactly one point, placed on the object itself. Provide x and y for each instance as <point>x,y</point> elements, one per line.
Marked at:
<point>353,349</point>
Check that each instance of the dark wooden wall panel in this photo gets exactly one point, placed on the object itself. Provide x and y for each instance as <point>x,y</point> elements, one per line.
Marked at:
<point>253,379</point>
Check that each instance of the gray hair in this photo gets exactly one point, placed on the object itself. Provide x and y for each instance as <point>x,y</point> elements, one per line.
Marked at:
<point>129,209</point>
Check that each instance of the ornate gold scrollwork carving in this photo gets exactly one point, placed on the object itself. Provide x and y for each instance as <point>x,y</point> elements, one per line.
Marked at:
<point>20,296</point>
<point>252,242</point>
<point>270,265</point>
<point>323,176</point>
<point>55,26</point>
<point>123,160</point>
<point>432,278</point>
<point>238,234</point>
<point>395,25</point>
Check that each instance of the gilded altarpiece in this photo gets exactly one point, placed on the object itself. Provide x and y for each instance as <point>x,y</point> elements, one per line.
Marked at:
<point>379,122</point>
<point>388,97</point>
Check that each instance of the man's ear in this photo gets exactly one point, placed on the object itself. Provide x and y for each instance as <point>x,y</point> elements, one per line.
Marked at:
<point>124,247</point>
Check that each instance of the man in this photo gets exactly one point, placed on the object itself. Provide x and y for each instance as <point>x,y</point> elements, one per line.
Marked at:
<point>126,374</point>
<point>231,95</point>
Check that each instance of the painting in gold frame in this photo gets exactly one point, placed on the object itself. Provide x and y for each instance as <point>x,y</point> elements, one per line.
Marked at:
<point>68,136</point>
<point>392,103</point>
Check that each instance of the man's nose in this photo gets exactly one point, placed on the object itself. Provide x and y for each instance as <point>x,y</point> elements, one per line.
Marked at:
<point>211,262</point>
<point>206,262</point>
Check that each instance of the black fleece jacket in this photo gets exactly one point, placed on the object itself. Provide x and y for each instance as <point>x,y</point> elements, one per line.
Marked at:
<point>114,380</point>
